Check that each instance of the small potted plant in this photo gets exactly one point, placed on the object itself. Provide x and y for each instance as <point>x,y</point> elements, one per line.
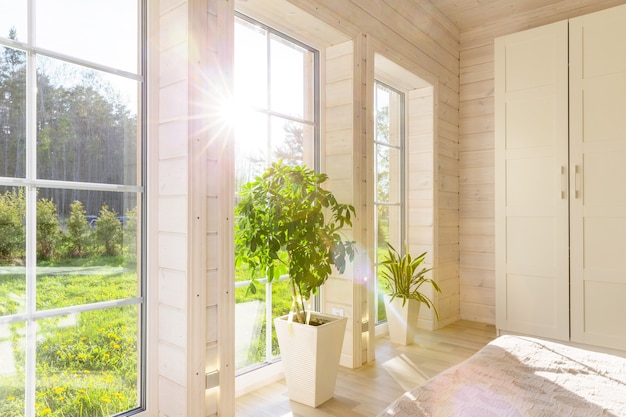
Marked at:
<point>402,276</point>
<point>288,224</point>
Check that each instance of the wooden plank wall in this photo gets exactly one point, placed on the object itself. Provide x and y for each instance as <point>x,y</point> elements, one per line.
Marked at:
<point>476,147</point>
<point>195,204</point>
<point>173,285</point>
<point>338,161</point>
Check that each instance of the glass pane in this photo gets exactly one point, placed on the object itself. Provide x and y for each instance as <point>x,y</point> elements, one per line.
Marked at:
<point>291,79</point>
<point>382,114</point>
<point>292,142</point>
<point>86,125</point>
<point>388,175</point>
<point>281,304</point>
<point>389,115</point>
<point>382,231</point>
<point>250,65</point>
<point>381,314</point>
<point>251,148</point>
<point>12,251</point>
<point>12,112</point>
<point>396,116</point>
<point>102,31</point>
<point>13,19</point>
<point>86,247</point>
<point>12,369</point>
<point>394,222</point>
<point>87,363</point>
<point>382,173</point>
<point>250,319</point>
<point>388,229</point>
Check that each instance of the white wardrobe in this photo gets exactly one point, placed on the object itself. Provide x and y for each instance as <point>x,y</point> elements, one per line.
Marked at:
<point>561,180</point>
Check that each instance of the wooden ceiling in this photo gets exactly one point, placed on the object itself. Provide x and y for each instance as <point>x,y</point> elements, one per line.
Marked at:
<point>470,14</point>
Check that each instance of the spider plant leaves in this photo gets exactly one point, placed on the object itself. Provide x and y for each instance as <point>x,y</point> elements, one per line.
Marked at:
<point>403,275</point>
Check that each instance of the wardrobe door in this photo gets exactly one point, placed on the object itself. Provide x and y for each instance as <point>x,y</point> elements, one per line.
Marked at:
<point>598,177</point>
<point>532,277</point>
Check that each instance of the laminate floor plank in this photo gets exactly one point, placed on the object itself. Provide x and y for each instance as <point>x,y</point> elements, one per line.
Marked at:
<point>366,391</point>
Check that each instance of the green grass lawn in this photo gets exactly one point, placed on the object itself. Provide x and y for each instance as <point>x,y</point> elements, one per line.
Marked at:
<point>86,362</point>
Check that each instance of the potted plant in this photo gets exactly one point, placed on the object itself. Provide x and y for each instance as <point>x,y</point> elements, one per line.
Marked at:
<point>402,278</point>
<point>288,224</point>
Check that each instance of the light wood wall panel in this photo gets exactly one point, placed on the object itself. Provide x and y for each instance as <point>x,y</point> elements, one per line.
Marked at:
<point>476,133</point>
<point>193,174</point>
<point>338,159</point>
<point>172,188</point>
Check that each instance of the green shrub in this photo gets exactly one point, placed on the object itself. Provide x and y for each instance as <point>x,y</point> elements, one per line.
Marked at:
<point>78,231</point>
<point>108,232</point>
<point>129,236</point>
<point>47,229</point>
<point>12,232</point>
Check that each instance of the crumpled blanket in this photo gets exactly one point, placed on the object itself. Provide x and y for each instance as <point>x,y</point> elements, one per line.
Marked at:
<point>522,376</point>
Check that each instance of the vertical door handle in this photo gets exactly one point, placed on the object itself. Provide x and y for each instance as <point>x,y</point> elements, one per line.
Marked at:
<point>577,181</point>
<point>563,182</point>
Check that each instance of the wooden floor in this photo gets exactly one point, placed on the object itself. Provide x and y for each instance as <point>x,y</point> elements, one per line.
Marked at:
<point>368,390</point>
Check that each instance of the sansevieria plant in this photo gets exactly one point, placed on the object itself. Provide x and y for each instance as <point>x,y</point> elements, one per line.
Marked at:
<point>402,276</point>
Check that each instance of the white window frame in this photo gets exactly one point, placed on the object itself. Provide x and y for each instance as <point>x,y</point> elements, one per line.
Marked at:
<point>400,147</point>
<point>272,370</point>
<point>30,183</point>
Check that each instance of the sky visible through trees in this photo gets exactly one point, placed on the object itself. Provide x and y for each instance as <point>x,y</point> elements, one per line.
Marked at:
<point>85,131</point>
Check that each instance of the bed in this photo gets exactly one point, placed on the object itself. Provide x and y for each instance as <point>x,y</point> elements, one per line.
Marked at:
<point>522,376</point>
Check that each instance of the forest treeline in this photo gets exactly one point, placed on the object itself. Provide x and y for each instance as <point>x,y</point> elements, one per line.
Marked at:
<point>84,131</point>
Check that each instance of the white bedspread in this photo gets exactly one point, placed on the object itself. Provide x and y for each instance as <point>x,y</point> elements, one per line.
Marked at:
<point>522,376</point>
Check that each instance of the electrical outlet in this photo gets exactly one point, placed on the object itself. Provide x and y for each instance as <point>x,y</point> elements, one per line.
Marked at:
<point>337,311</point>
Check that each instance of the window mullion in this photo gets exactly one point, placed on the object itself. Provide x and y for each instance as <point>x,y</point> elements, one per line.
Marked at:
<point>31,229</point>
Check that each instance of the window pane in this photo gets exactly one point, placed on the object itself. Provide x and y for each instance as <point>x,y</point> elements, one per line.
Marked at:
<point>87,363</point>
<point>382,231</point>
<point>102,31</point>
<point>292,142</point>
<point>86,247</point>
<point>251,147</point>
<point>13,17</point>
<point>12,113</point>
<point>382,114</point>
<point>86,125</point>
<point>250,53</point>
<point>388,175</point>
<point>389,115</point>
<point>12,251</point>
<point>381,313</point>
<point>388,230</point>
<point>394,231</point>
<point>249,340</point>
<point>261,137</point>
<point>12,365</point>
<point>291,79</point>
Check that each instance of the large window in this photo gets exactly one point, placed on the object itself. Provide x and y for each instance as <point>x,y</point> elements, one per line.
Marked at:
<point>276,84</point>
<point>389,178</point>
<point>72,306</point>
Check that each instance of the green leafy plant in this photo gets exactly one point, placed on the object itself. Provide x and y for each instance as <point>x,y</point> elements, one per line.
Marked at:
<point>287,223</point>
<point>402,277</point>
<point>108,231</point>
<point>47,228</point>
<point>77,234</point>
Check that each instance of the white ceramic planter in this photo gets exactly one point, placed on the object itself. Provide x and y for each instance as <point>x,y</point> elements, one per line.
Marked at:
<point>310,357</point>
<point>402,321</point>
